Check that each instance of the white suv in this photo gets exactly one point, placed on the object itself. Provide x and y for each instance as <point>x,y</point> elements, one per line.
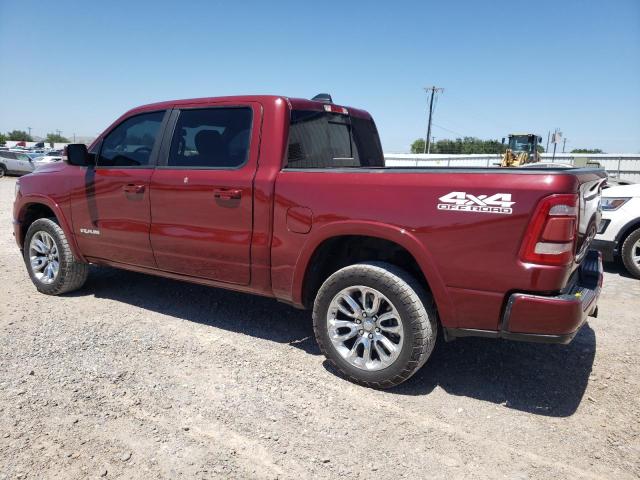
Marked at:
<point>17,163</point>
<point>619,231</point>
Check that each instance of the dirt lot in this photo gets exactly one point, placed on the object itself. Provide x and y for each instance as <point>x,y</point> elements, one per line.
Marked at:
<point>139,377</point>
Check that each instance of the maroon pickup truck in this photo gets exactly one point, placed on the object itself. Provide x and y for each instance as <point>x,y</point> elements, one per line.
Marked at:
<point>289,198</point>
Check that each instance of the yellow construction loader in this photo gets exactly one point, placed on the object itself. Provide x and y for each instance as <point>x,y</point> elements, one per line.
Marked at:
<point>521,149</point>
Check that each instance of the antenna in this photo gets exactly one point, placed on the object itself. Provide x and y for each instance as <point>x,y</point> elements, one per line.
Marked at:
<point>323,97</point>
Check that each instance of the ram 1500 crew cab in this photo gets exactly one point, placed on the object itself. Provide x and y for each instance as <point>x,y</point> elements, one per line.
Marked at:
<point>289,198</point>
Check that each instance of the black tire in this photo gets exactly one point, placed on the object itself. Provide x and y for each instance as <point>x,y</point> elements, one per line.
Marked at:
<point>71,273</point>
<point>3,171</point>
<point>414,305</point>
<point>627,253</point>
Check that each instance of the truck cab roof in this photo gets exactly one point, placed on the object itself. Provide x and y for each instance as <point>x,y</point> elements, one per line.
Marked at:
<point>294,103</point>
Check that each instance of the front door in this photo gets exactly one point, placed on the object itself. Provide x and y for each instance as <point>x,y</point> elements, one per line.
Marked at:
<point>111,214</point>
<point>202,193</point>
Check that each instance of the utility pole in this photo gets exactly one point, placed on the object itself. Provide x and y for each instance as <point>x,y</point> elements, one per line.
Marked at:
<point>564,142</point>
<point>433,90</point>
<point>557,134</point>
<point>548,135</point>
<point>29,128</point>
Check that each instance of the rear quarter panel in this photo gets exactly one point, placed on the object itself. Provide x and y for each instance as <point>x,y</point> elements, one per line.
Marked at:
<point>470,259</point>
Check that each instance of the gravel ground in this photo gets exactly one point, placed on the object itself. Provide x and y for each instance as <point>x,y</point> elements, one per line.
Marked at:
<point>140,377</point>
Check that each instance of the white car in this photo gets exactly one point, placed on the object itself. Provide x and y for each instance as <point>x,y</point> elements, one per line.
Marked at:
<point>16,163</point>
<point>52,156</point>
<point>619,231</point>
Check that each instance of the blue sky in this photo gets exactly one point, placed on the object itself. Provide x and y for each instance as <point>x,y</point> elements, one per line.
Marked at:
<point>505,65</point>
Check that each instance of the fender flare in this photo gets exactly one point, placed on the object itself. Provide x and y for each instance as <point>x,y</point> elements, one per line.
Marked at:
<point>392,233</point>
<point>31,199</point>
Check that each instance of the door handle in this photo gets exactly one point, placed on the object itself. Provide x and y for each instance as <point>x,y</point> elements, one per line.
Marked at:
<point>134,188</point>
<point>227,193</point>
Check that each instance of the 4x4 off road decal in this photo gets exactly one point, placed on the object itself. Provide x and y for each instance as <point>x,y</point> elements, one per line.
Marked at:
<point>466,202</point>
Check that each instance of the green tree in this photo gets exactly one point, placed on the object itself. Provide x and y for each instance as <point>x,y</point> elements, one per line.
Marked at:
<point>20,136</point>
<point>586,150</point>
<point>460,146</point>
<point>55,138</point>
<point>418,146</point>
<point>3,139</point>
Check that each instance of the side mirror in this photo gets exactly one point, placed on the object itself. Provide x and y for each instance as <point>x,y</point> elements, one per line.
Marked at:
<point>77,154</point>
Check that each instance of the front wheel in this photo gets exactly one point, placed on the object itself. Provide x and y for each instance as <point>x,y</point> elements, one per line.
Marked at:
<point>631,253</point>
<point>375,323</point>
<point>50,262</point>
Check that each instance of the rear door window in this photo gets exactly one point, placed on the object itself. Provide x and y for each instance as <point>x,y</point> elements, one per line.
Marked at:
<point>320,139</point>
<point>215,137</point>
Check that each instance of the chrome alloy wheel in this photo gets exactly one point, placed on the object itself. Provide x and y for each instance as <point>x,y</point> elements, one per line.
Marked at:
<point>635,253</point>
<point>365,328</point>
<point>44,257</point>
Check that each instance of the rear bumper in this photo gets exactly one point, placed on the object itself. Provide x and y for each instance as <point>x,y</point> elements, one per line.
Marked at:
<point>549,319</point>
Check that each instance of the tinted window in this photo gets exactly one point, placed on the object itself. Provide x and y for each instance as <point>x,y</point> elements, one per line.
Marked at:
<point>325,140</point>
<point>131,142</point>
<point>211,138</point>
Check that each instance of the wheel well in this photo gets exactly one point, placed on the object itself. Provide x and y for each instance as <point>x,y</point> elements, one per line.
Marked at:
<point>31,213</point>
<point>628,230</point>
<point>339,252</point>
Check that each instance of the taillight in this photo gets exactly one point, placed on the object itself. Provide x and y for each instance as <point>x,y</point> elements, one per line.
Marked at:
<point>335,109</point>
<point>551,236</point>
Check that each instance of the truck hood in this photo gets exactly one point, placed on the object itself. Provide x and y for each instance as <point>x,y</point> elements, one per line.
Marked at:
<point>622,191</point>
<point>49,167</point>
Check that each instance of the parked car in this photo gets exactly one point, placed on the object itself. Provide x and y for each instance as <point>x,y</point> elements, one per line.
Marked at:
<point>50,157</point>
<point>289,198</point>
<point>619,231</point>
<point>14,163</point>
<point>43,146</point>
<point>612,181</point>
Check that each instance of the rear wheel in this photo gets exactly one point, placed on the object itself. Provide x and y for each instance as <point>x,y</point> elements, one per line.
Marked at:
<point>51,265</point>
<point>631,253</point>
<point>3,171</point>
<point>374,323</point>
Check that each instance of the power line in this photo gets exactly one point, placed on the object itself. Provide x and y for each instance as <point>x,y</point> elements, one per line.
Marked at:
<point>478,117</point>
<point>448,130</point>
<point>434,91</point>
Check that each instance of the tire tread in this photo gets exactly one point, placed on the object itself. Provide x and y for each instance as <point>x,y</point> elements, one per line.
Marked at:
<point>626,253</point>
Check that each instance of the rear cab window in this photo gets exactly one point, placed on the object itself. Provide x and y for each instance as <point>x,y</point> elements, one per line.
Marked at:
<point>321,139</point>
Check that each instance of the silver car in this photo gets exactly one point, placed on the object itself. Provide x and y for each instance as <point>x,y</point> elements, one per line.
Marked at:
<point>16,163</point>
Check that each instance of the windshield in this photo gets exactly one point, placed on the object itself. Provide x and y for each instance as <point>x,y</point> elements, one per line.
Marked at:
<point>520,143</point>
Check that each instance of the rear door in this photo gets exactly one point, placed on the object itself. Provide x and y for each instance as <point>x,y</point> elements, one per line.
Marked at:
<point>111,215</point>
<point>202,192</point>
<point>23,163</point>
